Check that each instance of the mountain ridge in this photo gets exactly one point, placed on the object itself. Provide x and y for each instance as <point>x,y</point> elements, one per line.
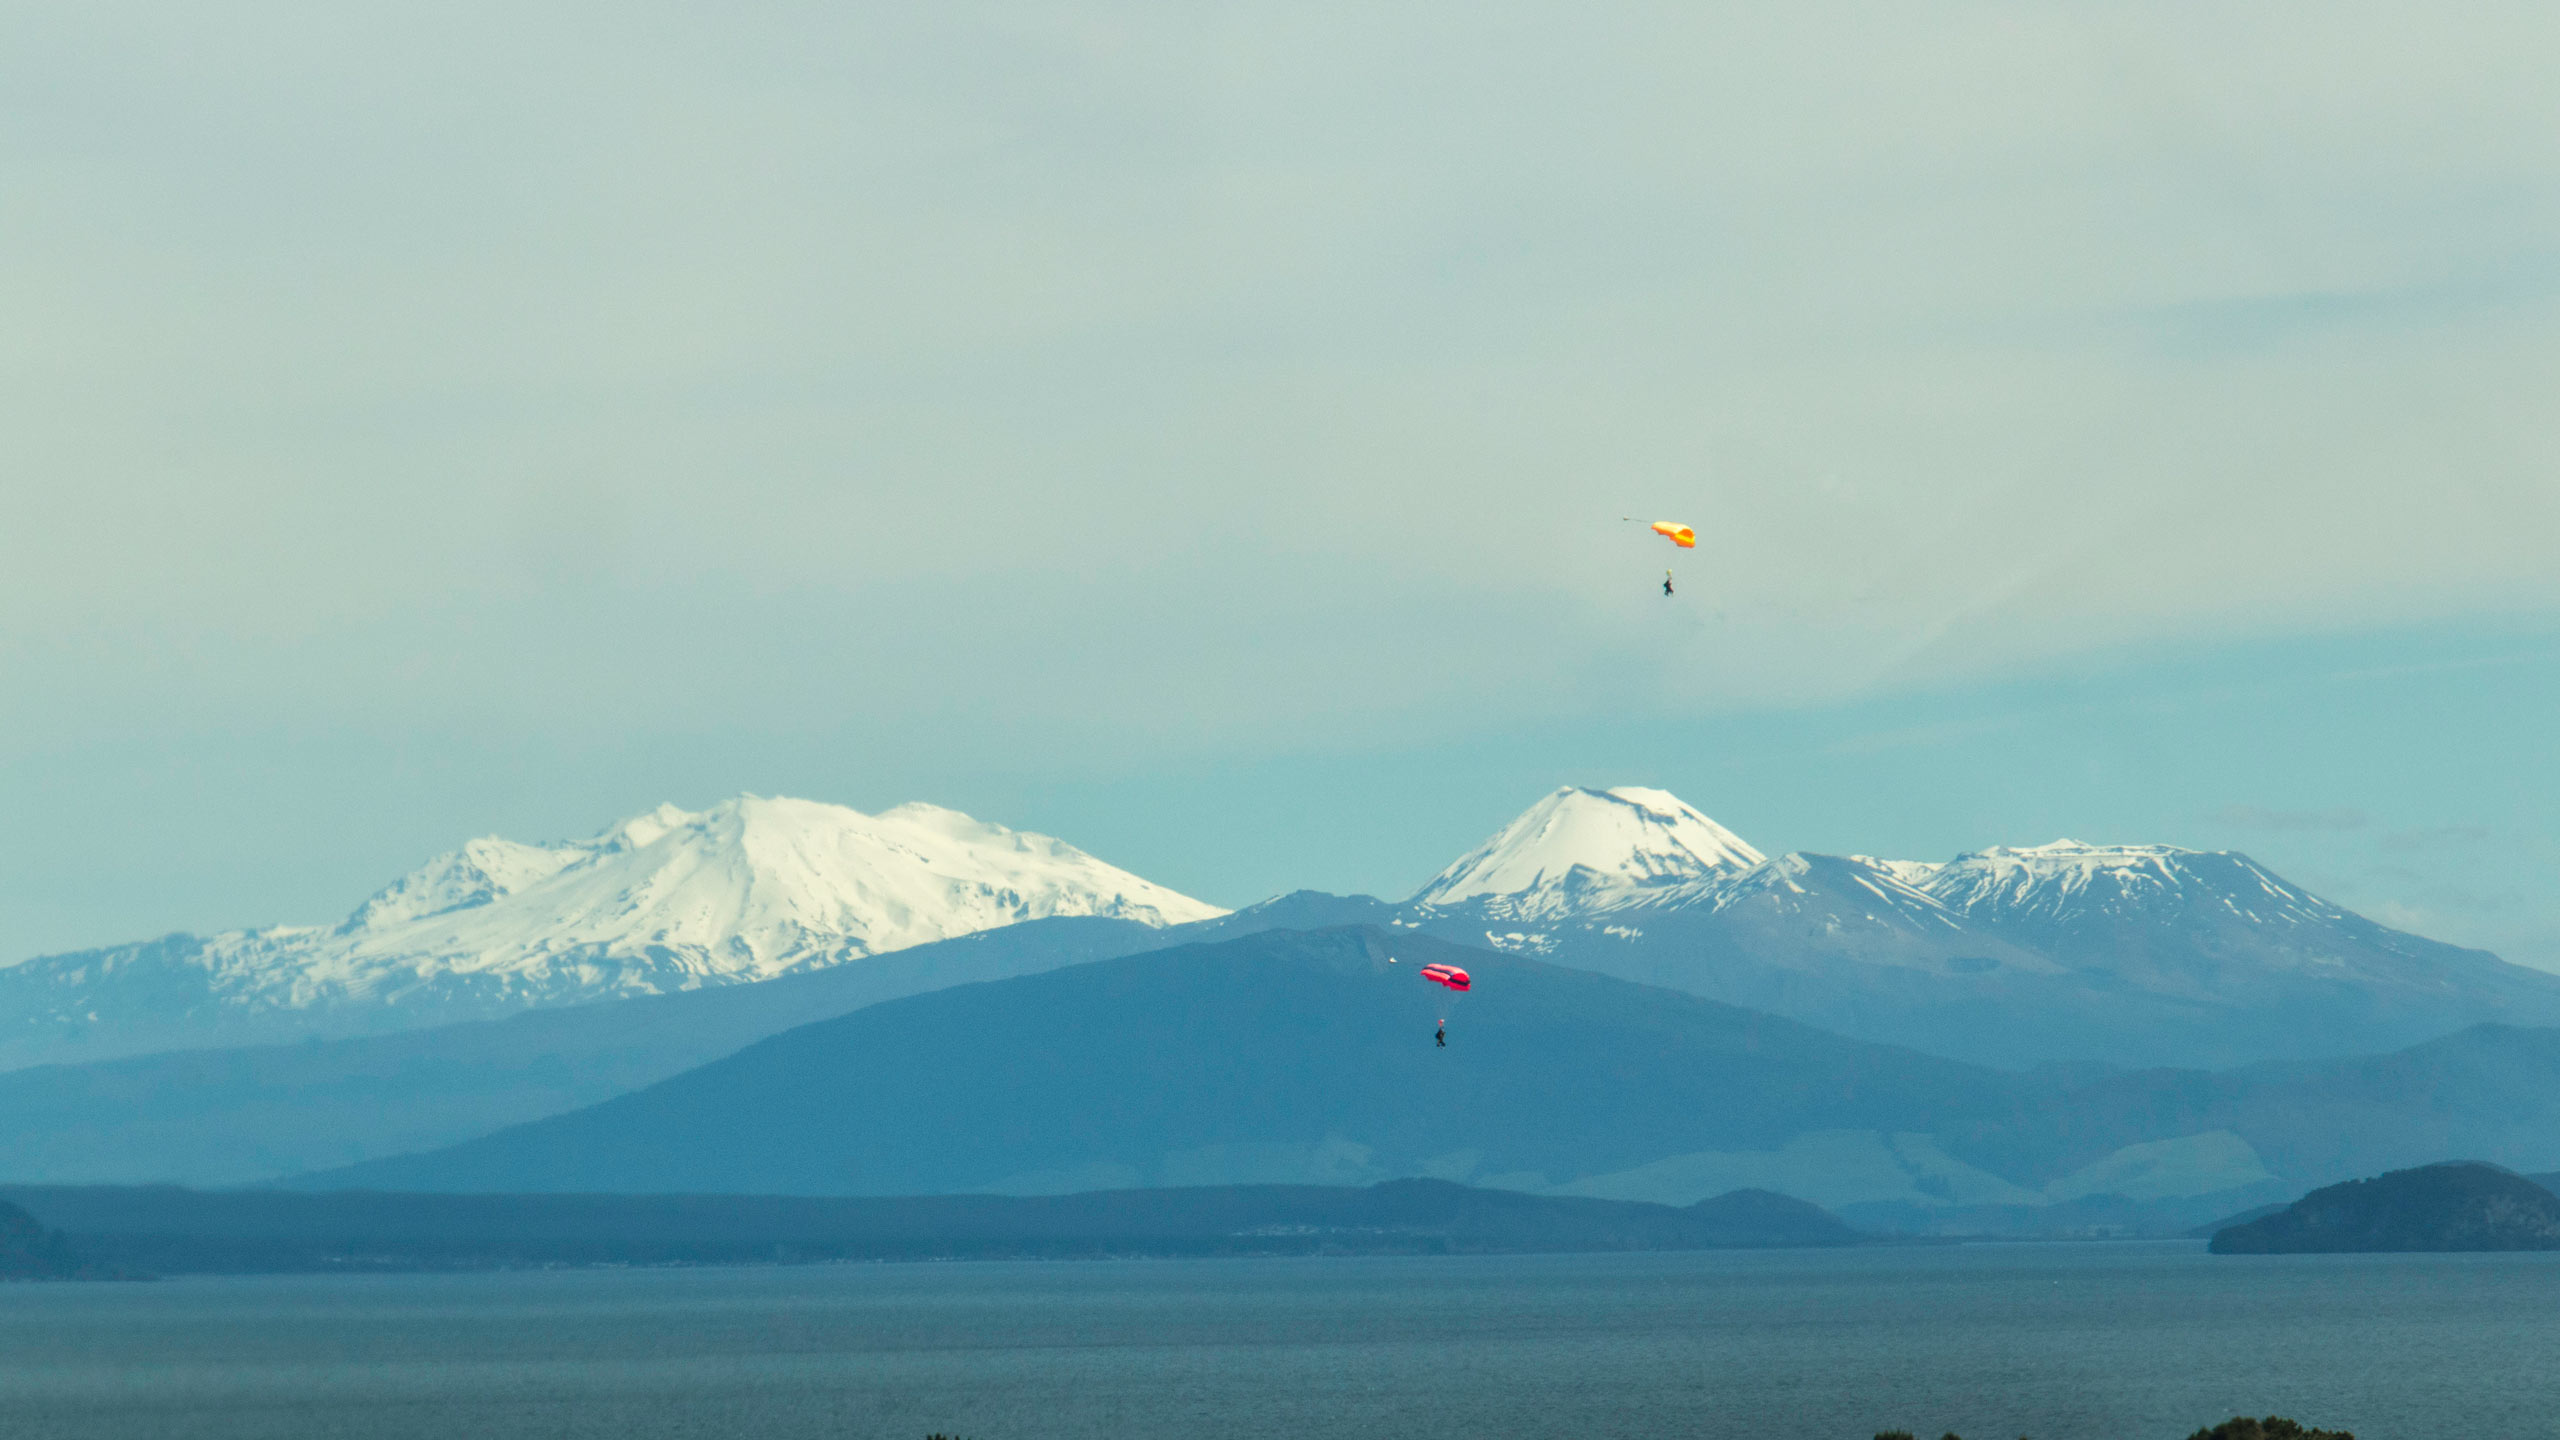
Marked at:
<point>246,1114</point>
<point>1205,1041</point>
<point>2009,956</point>
<point>749,889</point>
<point>167,1230</point>
<point>1306,1058</point>
<point>2067,951</point>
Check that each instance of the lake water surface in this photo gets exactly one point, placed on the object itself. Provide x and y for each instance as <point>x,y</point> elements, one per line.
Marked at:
<point>2060,1342</point>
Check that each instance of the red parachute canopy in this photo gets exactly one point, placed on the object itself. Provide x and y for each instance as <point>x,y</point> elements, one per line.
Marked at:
<point>1449,975</point>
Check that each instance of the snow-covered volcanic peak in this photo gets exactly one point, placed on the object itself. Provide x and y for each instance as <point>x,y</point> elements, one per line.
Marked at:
<point>673,899</point>
<point>765,878</point>
<point>1581,850</point>
<point>2068,879</point>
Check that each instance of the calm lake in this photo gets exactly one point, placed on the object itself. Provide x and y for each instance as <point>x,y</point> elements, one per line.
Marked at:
<point>2060,1342</point>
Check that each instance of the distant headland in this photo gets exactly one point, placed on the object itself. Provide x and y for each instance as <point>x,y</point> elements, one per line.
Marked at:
<point>2456,1205</point>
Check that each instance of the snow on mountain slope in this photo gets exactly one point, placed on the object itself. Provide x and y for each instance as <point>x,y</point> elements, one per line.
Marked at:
<point>743,891</point>
<point>1802,911</point>
<point>2068,878</point>
<point>2121,904</point>
<point>1584,851</point>
<point>1780,935</point>
<point>479,872</point>
<point>2139,954</point>
<point>2217,928</point>
<point>1914,873</point>
<point>670,900</point>
<point>1871,885</point>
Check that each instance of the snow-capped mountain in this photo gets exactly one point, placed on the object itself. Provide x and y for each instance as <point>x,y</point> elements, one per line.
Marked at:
<point>1806,904</point>
<point>1628,862</point>
<point>2070,884</point>
<point>2142,954</point>
<point>1877,887</point>
<point>2205,924</point>
<point>746,890</point>
<point>1584,852</point>
<point>670,900</point>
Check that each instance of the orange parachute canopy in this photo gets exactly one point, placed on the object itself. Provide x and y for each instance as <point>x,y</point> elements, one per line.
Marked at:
<point>1677,533</point>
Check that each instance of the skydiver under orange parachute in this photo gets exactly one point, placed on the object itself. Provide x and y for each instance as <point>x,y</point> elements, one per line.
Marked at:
<point>1675,532</point>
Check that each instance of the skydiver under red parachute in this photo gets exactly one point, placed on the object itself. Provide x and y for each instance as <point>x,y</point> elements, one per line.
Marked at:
<point>1453,978</point>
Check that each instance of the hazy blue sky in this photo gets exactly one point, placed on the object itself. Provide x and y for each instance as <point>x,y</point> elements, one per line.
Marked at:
<point>1201,432</point>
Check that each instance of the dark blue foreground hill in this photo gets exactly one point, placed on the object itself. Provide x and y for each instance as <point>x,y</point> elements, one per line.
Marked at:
<point>2458,1205</point>
<point>1282,1057</point>
<point>237,1116</point>
<point>30,1251</point>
